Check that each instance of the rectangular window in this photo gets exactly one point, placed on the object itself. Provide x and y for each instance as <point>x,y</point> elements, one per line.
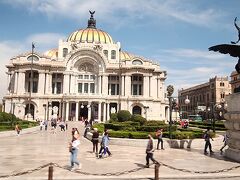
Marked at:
<point>85,87</point>
<point>113,89</point>
<point>53,87</point>
<point>135,89</point>
<point>140,89</point>
<point>86,76</point>
<point>92,77</point>
<point>79,87</point>
<point>35,86</point>
<point>118,89</point>
<point>92,88</point>
<point>80,77</point>
<point>59,87</point>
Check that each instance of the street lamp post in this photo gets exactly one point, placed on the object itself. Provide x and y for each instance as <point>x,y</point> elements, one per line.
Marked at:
<point>170,90</point>
<point>187,101</point>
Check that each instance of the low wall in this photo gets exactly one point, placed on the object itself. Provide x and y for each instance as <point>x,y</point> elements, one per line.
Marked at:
<point>167,143</point>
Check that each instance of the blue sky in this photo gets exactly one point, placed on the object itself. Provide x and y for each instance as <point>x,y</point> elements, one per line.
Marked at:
<point>174,33</point>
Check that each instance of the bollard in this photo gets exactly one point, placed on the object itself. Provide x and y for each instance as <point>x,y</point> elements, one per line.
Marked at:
<point>50,172</point>
<point>156,168</point>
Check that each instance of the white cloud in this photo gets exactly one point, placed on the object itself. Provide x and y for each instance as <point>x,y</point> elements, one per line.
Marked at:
<point>193,53</point>
<point>45,41</point>
<point>109,10</point>
<point>9,49</point>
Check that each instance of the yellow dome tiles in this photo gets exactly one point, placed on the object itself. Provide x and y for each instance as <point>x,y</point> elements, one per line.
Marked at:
<point>52,53</point>
<point>90,35</point>
<point>126,56</point>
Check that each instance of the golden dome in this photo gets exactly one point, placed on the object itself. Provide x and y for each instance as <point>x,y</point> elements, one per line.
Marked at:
<point>90,35</point>
<point>52,53</point>
<point>126,56</point>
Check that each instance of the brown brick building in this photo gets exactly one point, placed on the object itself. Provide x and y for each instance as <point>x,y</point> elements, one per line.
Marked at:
<point>204,98</point>
<point>235,81</point>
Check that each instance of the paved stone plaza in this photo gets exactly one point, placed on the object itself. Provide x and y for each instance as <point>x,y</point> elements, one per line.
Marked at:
<point>31,150</point>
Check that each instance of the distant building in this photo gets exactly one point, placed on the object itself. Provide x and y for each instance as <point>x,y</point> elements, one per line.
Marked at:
<point>204,98</point>
<point>235,81</point>
<point>88,75</point>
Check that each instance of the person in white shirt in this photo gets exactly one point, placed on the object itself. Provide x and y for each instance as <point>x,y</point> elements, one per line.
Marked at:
<point>74,146</point>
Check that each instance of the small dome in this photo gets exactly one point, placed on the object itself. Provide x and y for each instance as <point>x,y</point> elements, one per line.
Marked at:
<point>90,35</point>
<point>126,56</point>
<point>52,53</point>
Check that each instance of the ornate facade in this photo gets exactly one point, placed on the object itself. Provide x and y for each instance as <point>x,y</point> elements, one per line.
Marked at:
<point>87,76</point>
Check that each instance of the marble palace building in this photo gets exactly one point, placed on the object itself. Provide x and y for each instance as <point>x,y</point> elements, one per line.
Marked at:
<point>87,76</point>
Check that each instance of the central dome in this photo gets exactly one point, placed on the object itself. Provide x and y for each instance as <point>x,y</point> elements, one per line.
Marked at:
<point>90,34</point>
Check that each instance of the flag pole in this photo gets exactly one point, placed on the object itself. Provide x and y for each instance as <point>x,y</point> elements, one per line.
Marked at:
<point>31,83</point>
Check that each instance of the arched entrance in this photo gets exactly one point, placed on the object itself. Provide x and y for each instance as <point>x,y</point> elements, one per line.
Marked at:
<point>137,110</point>
<point>30,110</point>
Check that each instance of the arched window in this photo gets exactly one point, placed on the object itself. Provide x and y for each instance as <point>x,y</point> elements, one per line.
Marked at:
<point>105,52</point>
<point>113,54</point>
<point>137,62</point>
<point>32,58</point>
<point>65,52</point>
<point>137,110</point>
<point>87,79</point>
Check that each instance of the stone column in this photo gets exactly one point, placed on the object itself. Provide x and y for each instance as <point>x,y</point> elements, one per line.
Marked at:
<point>99,112</point>
<point>89,110</point>
<point>72,82</point>
<point>41,82</point>
<point>146,86</point>
<point>21,82</point>
<point>63,111</point>
<point>66,83</point>
<point>100,85</point>
<point>67,111</point>
<point>104,112</point>
<point>127,85</point>
<point>232,123</point>
<point>150,85</point>
<point>15,82</point>
<point>47,84</point>
<point>50,83</point>
<point>77,109</point>
<point>108,117</point>
<point>105,85</point>
<point>123,85</point>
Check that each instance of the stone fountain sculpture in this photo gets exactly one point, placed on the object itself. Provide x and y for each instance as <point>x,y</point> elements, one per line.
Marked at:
<point>233,102</point>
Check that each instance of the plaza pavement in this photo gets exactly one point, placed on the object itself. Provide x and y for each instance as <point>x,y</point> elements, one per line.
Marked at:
<point>36,148</point>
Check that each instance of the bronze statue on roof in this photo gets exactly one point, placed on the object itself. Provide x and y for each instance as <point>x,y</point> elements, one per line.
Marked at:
<point>232,49</point>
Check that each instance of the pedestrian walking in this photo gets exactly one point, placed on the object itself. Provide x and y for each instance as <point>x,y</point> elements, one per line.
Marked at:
<point>105,146</point>
<point>225,140</point>
<point>149,151</point>
<point>41,125</point>
<point>46,124</point>
<point>18,129</point>
<point>95,137</point>
<point>62,126</point>
<point>159,135</point>
<point>207,137</point>
<point>73,149</point>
